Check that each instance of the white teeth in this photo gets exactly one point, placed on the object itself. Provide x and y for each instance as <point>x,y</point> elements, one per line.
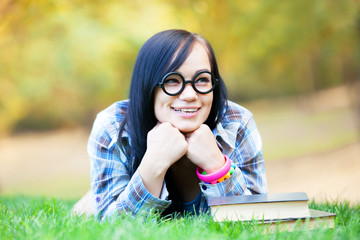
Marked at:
<point>186,110</point>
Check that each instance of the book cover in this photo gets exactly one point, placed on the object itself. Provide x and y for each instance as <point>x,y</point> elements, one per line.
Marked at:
<point>260,207</point>
<point>258,198</point>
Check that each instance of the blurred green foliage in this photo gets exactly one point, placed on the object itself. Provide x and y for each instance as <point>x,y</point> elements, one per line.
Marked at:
<point>62,61</point>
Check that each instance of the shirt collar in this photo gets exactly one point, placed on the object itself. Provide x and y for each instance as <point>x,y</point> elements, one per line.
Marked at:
<point>115,136</point>
<point>226,137</point>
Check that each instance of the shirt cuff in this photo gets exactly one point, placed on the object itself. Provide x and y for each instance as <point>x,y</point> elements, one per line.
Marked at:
<point>142,200</point>
<point>164,194</point>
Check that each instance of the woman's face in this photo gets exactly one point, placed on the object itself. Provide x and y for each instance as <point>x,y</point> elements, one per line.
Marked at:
<point>188,110</point>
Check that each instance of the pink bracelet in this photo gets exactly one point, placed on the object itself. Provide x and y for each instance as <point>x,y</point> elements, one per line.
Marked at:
<point>216,175</point>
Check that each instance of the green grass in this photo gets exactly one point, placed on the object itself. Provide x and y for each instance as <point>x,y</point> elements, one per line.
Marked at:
<point>43,218</point>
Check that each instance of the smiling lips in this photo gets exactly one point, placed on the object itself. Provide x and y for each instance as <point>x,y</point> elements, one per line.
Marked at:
<point>186,112</point>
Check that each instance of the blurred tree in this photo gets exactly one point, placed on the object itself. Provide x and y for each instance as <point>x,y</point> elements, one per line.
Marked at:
<point>63,61</point>
<point>271,48</point>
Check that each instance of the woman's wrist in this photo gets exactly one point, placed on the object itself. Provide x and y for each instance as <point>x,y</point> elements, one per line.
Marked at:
<point>218,161</point>
<point>152,164</point>
<point>152,175</point>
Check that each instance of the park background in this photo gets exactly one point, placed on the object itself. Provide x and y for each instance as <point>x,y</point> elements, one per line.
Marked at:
<point>294,64</point>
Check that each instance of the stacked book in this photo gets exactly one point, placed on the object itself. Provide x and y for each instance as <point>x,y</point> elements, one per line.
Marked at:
<point>287,211</point>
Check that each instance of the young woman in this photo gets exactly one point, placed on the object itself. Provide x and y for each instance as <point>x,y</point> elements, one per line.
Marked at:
<point>170,146</point>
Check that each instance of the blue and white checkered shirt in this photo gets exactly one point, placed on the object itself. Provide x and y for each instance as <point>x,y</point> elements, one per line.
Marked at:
<point>115,190</point>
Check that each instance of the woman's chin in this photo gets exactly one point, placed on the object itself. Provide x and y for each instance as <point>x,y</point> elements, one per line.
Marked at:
<point>187,129</point>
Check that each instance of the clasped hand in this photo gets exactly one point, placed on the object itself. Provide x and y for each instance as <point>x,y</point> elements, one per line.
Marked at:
<point>200,147</point>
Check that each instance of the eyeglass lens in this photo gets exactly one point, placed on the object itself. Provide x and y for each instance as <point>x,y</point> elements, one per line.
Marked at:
<point>174,83</point>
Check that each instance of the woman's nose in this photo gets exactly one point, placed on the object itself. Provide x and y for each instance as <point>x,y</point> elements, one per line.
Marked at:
<point>188,94</point>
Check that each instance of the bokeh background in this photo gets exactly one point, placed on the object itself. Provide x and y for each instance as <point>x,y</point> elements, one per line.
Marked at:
<point>294,64</point>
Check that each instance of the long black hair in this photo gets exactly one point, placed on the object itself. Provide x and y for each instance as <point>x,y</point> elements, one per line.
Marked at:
<point>155,59</point>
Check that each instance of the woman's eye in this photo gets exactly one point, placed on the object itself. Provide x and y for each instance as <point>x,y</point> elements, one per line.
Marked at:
<point>172,81</point>
<point>202,80</point>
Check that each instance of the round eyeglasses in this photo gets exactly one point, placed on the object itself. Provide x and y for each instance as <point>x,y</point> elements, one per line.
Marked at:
<point>173,83</point>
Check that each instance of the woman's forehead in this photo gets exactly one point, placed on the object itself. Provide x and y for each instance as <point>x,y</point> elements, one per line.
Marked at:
<point>197,60</point>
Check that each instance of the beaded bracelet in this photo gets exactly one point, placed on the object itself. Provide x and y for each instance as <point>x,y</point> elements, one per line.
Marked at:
<point>213,178</point>
<point>227,175</point>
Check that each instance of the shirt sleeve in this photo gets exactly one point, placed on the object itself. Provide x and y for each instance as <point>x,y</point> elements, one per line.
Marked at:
<point>249,176</point>
<point>114,189</point>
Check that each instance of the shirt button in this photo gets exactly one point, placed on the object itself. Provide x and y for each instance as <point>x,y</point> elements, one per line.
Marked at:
<point>204,187</point>
<point>97,199</point>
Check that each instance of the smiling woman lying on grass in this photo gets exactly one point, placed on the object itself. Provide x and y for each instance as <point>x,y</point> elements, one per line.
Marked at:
<point>177,140</point>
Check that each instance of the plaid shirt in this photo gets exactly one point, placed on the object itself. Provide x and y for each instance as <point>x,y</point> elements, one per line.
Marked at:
<point>114,189</point>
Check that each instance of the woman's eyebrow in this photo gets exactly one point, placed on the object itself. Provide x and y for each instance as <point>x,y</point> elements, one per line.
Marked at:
<point>200,70</point>
<point>205,69</point>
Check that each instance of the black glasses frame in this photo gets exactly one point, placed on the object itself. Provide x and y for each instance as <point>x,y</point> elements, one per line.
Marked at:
<point>192,81</point>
